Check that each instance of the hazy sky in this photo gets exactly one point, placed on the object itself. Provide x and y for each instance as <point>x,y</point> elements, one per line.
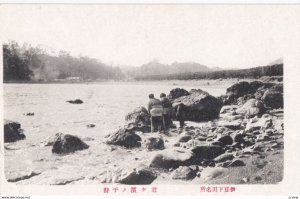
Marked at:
<point>224,36</point>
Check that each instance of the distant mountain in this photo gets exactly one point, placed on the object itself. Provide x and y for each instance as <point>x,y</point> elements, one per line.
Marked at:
<point>277,61</point>
<point>156,68</point>
<point>257,72</point>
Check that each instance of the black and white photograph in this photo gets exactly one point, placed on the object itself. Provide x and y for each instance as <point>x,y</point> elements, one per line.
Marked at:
<point>148,95</point>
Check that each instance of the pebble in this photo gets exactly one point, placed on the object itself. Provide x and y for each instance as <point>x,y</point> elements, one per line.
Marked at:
<point>258,178</point>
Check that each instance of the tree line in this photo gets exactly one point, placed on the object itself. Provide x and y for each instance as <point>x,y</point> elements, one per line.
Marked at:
<point>24,63</point>
<point>257,72</point>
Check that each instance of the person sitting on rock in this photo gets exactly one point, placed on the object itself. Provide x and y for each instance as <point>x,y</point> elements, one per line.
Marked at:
<point>167,111</point>
<point>155,109</point>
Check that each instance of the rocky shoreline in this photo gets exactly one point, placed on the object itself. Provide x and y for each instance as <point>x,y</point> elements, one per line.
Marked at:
<point>236,138</point>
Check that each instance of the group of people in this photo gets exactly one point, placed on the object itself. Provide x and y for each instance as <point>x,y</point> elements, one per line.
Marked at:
<point>161,112</point>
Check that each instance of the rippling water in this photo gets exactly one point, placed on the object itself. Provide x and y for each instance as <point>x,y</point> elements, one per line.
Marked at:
<point>105,105</point>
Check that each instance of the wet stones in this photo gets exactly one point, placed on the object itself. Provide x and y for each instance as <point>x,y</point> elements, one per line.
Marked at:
<point>199,106</point>
<point>184,138</point>
<point>184,173</point>
<point>29,114</point>
<point>238,138</point>
<point>76,101</point>
<point>252,108</point>
<point>154,143</point>
<point>90,125</point>
<point>171,158</point>
<point>12,131</point>
<point>225,140</point>
<point>137,176</point>
<point>66,143</point>
<point>224,157</point>
<point>124,138</point>
<point>138,120</point>
<point>208,152</point>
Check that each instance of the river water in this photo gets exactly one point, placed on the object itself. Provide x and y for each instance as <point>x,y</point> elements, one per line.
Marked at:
<point>105,105</point>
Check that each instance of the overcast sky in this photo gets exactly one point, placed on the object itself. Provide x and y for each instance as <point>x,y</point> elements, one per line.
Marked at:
<point>224,36</point>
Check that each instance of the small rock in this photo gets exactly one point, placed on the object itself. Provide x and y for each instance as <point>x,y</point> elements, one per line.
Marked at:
<point>177,144</point>
<point>224,157</point>
<point>184,138</point>
<point>90,125</point>
<point>236,163</point>
<point>201,138</point>
<point>269,132</point>
<point>217,143</point>
<point>257,178</point>
<point>184,173</point>
<point>29,114</point>
<point>258,147</point>
<point>238,138</point>
<point>257,132</point>
<point>137,177</point>
<point>225,140</point>
<point>208,152</point>
<point>171,158</point>
<point>153,143</point>
<point>275,146</point>
<point>76,101</point>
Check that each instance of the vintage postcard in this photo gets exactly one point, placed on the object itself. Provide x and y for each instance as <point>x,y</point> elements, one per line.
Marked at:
<point>149,100</point>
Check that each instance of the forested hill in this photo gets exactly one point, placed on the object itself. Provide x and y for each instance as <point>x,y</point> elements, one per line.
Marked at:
<point>32,64</point>
<point>257,72</point>
<point>29,64</point>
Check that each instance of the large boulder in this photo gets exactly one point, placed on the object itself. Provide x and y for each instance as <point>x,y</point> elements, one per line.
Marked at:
<point>12,131</point>
<point>138,120</point>
<point>199,106</point>
<point>137,176</point>
<point>171,158</point>
<point>237,90</point>
<point>242,91</point>
<point>66,143</point>
<point>177,92</point>
<point>124,137</point>
<point>206,152</point>
<point>252,108</point>
<point>273,97</point>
